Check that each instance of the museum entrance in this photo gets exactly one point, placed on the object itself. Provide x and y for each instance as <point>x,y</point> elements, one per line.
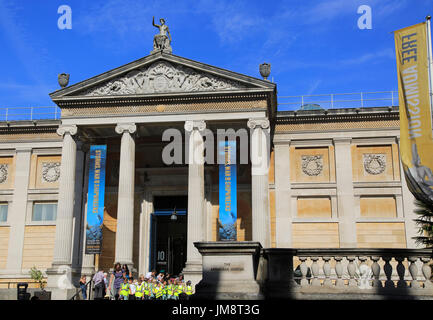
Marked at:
<point>168,234</point>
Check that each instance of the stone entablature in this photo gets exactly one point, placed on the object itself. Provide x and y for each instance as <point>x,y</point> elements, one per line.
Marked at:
<point>161,106</point>
<point>337,119</point>
<point>28,131</point>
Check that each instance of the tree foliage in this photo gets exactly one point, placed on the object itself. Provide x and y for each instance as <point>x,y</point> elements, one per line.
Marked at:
<point>424,211</point>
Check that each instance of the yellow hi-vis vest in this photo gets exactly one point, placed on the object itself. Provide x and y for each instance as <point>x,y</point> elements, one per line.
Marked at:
<point>170,290</point>
<point>189,290</point>
<point>180,289</point>
<point>158,292</point>
<point>146,288</point>
<point>124,289</point>
<point>139,290</point>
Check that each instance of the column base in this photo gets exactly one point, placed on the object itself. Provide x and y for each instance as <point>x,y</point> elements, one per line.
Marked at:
<point>62,277</point>
<point>193,272</point>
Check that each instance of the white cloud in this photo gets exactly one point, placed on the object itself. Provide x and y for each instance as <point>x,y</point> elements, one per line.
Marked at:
<point>387,53</point>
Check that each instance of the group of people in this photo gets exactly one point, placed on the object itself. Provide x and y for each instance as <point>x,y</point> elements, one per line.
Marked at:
<point>122,286</point>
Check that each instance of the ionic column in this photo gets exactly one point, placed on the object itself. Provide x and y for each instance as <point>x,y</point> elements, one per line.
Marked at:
<point>125,203</point>
<point>260,153</point>
<point>65,204</point>
<point>195,230</point>
<point>345,194</point>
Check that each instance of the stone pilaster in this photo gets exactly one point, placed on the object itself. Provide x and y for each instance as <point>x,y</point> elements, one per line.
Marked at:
<point>195,232</point>
<point>410,227</point>
<point>283,223</point>
<point>17,213</point>
<point>125,204</point>
<point>260,154</point>
<point>345,194</point>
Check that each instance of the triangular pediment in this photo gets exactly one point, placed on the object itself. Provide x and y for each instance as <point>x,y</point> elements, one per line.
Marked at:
<point>162,74</point>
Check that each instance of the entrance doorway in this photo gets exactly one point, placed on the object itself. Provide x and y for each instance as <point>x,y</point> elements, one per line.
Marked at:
<point>168,234</point>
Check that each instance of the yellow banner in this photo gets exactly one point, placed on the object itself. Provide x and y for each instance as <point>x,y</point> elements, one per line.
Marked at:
<point>416,145</point>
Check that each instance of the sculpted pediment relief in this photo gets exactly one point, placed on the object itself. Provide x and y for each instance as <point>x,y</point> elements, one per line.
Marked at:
<point>162,77</point>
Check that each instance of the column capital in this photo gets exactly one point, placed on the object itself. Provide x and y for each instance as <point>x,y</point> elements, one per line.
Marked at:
<point>190,125</point>
<point>253,123</point>
<point>69,128</point>
<point>122,127</point>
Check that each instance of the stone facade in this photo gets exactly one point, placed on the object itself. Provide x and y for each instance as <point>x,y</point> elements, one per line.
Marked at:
<point>320,188</point>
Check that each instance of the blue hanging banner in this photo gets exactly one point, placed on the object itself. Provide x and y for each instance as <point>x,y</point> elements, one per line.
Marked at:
<point>227,190</point>
<point>95,199</point>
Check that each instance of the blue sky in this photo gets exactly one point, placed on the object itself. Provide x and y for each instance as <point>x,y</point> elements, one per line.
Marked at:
<point>313,46</point>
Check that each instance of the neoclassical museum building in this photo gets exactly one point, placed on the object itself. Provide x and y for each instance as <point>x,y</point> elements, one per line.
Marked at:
<point>334,177</point>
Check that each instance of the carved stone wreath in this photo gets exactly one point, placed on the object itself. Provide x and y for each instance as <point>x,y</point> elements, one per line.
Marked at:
<point>50,171</point>
<point>374,163</point>
<point>312,165</point>
<point>4,172</point>
<point>162,77</point>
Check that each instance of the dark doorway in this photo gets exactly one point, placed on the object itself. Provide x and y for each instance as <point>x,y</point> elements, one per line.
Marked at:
<point>168,236</point>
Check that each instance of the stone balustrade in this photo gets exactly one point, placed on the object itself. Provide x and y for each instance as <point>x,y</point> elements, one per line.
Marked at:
<point>347,273</point>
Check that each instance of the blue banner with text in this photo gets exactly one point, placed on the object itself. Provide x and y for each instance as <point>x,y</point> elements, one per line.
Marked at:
<point>95,199</point>
<point>227,191</point>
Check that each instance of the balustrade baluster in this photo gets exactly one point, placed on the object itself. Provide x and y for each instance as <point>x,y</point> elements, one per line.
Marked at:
<point>365,273</point>
<point>413,270</point>
<point>327,271</point>
<point>426,271</point>
<point>375,267</point>
<point>400,271</point>
<point>304,270</point>
<point>387,268</point>
<point>315,272</point>
<point>339,271</point>
<point>351,269</point>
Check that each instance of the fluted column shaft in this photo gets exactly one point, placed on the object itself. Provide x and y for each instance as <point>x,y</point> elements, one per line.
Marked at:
<point>65,204</point>
<point>125,203</point>
<point>195,188</point>
<point>260,153</point>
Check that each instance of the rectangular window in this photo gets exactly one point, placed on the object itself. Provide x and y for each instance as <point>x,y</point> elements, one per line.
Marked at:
<point>44,211</point>
<point>3,212</point>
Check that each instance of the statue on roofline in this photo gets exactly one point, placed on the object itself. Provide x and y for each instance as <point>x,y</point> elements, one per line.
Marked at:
<point>161,41</point>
